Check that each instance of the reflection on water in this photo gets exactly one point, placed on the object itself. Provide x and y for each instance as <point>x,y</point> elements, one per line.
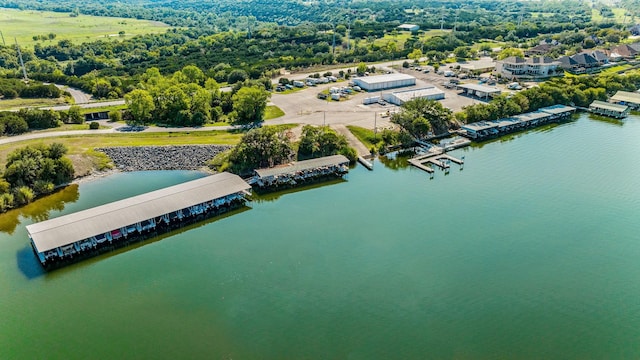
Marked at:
<point>397,160</point>
<point>606,119</point>
<point>40,209</point>
<point>260,197</point>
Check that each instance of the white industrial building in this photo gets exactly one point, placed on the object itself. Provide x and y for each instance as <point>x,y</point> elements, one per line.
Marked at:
<point>400,97</point>
<point>383,82</point>
<point>409,27</point>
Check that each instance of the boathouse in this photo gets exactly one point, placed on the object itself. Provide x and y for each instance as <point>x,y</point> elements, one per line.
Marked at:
<point>485,129</point>
<point>607,109</point>
<point>92,231</point>
<point>301,172</point>
<point>630,99</point>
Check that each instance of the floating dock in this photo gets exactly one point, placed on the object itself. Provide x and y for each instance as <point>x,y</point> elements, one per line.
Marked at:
<point>300,172</point>
<point>86,233</point>
<point>435,157</point>
<point>366,163</point>
<point>486,129</point>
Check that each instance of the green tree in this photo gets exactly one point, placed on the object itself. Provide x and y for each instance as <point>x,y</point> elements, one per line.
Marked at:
<point>505,53</point>
<point>249,105</point>
<point>419,117</point>
<point>259,148</point>
<point>361,69</point>
<point>320,141</point>
<point>140,104</point>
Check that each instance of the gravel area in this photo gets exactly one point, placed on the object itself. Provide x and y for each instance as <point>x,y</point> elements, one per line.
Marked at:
<point>137,158</point>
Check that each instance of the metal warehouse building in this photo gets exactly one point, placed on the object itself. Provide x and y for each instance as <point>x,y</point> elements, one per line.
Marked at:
<point>383,82</point>
<point>400,97</point>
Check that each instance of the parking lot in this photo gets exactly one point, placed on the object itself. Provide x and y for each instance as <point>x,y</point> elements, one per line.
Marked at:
<point>304,107</point>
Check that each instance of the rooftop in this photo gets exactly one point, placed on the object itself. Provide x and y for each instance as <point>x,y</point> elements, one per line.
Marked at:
<point>557,109</point>
<point>303,165</point>
<point>407,95</point>
<point>67,229</point>
<point>482,88</point>
<point>478,64</point>
<point>384,78</point>
<point>608,106</point>
<point>481,125</point>
<point>626,96</point>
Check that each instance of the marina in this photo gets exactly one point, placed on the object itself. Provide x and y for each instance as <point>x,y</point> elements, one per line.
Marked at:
<point>631,99</point>
<point>508,258</point>
<point>86,233</point>
<point>487,129</point>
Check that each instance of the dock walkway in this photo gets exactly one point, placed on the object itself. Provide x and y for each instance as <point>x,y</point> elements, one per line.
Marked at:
<point>435,156</point>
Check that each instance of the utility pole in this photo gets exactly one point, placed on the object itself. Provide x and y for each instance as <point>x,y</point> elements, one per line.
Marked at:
<point>333,29</point>
<point>348,33</point>
<point>24,70</point>
<point>442,19</point>
<point>3,42</point>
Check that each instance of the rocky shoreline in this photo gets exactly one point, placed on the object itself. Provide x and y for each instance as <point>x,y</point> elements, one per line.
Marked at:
<point>172,157</point>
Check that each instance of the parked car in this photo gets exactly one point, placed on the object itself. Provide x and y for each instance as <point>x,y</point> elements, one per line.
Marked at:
<point>322,96</point>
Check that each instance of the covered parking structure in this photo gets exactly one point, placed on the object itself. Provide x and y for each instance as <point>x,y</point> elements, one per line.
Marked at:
<point>480,91</point>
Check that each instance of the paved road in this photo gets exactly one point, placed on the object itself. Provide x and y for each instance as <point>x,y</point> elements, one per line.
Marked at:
<point>79,96</point>
<point>87,105</point>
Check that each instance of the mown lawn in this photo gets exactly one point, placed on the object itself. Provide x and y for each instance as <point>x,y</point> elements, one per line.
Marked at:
<point>9,104</point>
<point>273,112</point>
<point>24,24</point>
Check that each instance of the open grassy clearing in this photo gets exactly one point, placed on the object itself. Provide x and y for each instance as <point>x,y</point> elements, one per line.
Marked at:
<point>402,36</point>
<point>24,24</point>
<point>102,108</point>
<point>273,112</point>
<point>9,104</point>
<point>617,68</point>
<point>366,136</point>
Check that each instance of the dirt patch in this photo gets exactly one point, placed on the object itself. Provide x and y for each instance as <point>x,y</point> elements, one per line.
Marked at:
<point>82,165</point>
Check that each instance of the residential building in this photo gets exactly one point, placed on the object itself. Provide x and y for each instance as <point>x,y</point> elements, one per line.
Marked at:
<point>515,67</point>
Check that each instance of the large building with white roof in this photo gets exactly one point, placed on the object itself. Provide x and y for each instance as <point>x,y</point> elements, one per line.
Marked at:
<point>384,82</point>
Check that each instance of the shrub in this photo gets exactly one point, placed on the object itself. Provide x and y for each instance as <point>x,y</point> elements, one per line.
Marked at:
<point>23,195</point>
<point>94,125</point>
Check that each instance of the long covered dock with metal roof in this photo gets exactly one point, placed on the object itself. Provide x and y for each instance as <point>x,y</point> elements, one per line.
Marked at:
<point>608,109</point>
<point>301,171</point>
<point>485,129</point>
<point>90,231</point>
<point>631,99</point>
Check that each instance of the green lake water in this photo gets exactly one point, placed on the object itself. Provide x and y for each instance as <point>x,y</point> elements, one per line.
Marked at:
<point>532,251</point>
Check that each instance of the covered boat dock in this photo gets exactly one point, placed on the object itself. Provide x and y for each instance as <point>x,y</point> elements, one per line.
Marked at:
<point>486,129</point>
<point>89,232</point>
<point>607,109</point>
<point>301,171</point>
<point>630,99</point>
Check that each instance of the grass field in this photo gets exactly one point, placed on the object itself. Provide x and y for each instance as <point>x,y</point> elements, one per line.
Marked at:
<point>618,15</point>
<point>16,103</point>
<point>273,112</point>
<point>366,136</point>
<point>24,24</point>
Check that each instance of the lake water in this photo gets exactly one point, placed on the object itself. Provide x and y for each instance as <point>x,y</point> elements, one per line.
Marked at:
<point>532,251</point>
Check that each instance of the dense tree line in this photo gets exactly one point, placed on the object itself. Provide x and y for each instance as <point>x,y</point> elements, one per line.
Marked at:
<point>13,88</point>
<point>32,171</point>
<point>14,123</point>
<point>190,98</point>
